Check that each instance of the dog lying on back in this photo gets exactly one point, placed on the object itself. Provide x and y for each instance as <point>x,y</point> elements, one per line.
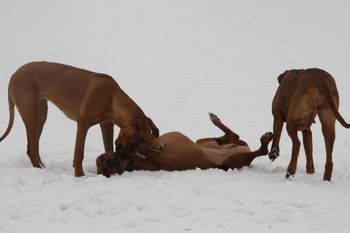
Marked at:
<point>301,95</point>
<point>86,97</point>
<point>181,153</point>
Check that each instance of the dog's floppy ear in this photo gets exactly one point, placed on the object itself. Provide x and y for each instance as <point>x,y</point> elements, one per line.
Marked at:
<point>155,130</point>
<point>281,76</point>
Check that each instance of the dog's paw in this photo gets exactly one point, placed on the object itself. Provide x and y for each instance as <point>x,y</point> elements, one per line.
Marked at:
<point>274,155</point>
<point>290,175</point>
<point>266,138</point>
<point>161,147</point>
<point>214,118</point>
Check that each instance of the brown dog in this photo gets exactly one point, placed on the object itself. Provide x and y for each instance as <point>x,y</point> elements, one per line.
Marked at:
<point>301,95</point>
<point>86,97</point>
<point>181,153</point>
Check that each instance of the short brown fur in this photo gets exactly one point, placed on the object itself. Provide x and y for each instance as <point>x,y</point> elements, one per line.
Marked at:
<point>226,152</point>
<point>86,97</point>
<point>301,95</point>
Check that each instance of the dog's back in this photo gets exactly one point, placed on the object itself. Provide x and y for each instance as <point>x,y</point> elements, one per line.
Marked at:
<point>64,85</point>
<point>54,77</point>
<point>301,93</point>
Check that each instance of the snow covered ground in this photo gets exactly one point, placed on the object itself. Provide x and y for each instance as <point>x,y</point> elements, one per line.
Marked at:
<point>177,60</point>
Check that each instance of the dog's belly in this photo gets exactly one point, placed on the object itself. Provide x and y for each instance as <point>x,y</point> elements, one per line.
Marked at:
<point>219,155</point>
<point>66,109</point>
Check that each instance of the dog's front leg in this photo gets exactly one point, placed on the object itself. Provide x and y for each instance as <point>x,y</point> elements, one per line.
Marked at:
<point>107,129</point>
<point>79,149</point>
<point>277,130</point>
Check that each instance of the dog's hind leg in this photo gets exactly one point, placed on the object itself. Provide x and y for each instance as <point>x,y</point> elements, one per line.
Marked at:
<point>229,137</point>
<point>82,129</point>
<point>217,122</point>
<point>238,160</point>
<point>28,110</point>
<point>327,119</point>
<point>107,129</point>
<point>307,141</point>
<point>41,119</point>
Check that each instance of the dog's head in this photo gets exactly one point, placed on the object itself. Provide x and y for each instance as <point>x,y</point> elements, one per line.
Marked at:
<point>139,131</point>
<point>110,163</point>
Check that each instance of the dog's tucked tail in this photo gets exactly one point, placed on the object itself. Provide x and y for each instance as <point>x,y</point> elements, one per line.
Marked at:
<point>12,116</point>
<point>330,102</point>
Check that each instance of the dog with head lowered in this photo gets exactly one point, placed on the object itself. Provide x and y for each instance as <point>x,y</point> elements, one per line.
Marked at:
<point>86,97</point>
<point>301,95</point>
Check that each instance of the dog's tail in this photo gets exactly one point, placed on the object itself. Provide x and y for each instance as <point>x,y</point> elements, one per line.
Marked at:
<point>330,102</point>
<point>12,116</point>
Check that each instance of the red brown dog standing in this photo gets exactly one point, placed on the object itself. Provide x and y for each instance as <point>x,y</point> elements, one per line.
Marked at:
<point>86,97</point>
<point>301,95</point>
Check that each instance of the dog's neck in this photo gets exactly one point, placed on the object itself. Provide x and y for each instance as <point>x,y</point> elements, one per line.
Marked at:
<point>124,110</point>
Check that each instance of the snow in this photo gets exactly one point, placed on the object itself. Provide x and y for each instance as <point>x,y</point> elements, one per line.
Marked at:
<point>177,60</point>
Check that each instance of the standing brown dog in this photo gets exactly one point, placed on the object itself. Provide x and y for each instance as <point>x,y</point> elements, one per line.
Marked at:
<point>301,95</point>
<point>86,97</point>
